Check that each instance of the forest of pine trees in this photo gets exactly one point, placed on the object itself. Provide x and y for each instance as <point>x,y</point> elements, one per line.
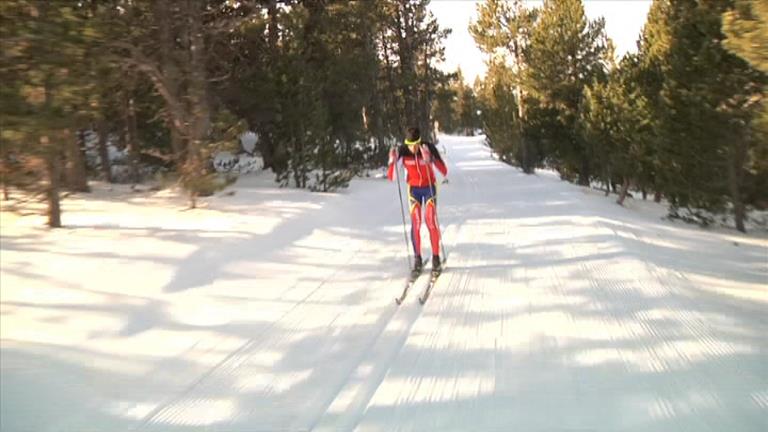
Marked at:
<point>326,85</point>
<point>684,118</point>
<point>329,85</point>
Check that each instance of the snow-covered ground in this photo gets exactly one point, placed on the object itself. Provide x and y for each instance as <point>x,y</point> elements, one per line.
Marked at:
<point>272,310</point>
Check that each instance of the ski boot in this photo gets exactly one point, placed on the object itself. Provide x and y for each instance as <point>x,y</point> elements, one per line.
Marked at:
<point>437,265</point>
<point>418,265</point>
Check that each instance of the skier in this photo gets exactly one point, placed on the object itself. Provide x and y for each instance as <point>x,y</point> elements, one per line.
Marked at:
<point>418,157</point>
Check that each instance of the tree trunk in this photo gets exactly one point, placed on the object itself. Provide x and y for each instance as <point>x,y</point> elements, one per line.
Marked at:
<point>525,155</point>
<point>738,154</point>
<point>740,215</point>
<point>131,138</point>
<point>53,165</point>
<point>198,95</point>
<point>405,53</point>
<point>584,172</point>
<point>177,145</point>
<point>106,165</point>
<point>657,197</point>
<point>75,164</point>
<point>166,12</point>
<point>426,102</point>
<point>5,173</point>
<point>267,143</point>
<point>623,192</point>
<point>391,86</point>
<point>524,152</point>
<point>375,126</point>
<point>266,148</point>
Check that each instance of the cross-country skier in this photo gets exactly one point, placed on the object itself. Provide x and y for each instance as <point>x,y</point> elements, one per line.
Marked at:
<point>418,157</point>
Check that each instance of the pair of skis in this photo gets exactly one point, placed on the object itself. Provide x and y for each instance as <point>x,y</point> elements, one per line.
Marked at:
<point>414,276</point>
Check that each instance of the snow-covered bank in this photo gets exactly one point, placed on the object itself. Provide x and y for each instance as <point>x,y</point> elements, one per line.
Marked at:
<point>271,309</point>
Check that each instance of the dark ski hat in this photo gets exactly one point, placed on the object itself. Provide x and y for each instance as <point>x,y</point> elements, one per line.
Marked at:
<point>412,136</point>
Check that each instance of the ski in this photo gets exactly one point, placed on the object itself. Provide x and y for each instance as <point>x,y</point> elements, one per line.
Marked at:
<point>432,280</point>
<point>414,276</point>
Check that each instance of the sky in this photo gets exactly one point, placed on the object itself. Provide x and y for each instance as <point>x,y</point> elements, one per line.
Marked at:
<point>623,22</point>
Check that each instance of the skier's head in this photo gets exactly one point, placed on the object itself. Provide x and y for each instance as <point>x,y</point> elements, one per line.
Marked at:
<point>412,138</point>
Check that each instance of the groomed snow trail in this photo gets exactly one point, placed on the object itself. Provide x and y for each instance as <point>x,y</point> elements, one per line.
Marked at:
<point>274,311</point>
<point>561,311</point>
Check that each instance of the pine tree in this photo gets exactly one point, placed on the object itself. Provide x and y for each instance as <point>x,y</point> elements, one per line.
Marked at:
<point>506,26</point>
<point>706,106</point>
<point>169,44</point>
<point>411,44</point>
<point>465,106</point>
<point>45,96</point>
<point>444,111</point>
<point>616,121</point>
<point>327,85</point>
<point>567,53</point>
<point>746,30</point>
<point>496,95</point>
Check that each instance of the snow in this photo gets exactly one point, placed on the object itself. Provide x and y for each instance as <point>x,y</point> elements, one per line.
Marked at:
<point>272,309</point>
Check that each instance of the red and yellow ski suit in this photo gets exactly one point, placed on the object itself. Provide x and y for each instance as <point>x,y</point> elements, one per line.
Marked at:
<point>422,189</point>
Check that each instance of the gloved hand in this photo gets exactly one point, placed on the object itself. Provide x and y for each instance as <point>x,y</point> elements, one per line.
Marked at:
<point>392,155</point>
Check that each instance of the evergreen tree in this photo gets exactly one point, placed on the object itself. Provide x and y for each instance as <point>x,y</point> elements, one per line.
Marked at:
<point>706,148</point>
<point>746,30</point>
<point>496,95</point>
<point>45,96</point>
<point>174,53</point>
<point>444,111</point>
<point>327,85</point>
<point>567,52</point>
<point>616,121</point>
<point>411,43</point>
<point>465,106</point>
<point>505,27</point>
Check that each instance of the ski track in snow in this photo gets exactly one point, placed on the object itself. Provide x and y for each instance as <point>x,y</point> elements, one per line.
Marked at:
<point>272,310</point>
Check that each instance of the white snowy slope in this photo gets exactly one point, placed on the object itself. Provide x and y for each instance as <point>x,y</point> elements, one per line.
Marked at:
<point>272,310</point>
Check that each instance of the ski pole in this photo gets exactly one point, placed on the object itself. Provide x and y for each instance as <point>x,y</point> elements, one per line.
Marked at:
<point>402,210</point>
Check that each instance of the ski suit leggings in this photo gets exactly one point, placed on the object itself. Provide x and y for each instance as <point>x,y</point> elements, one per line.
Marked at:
<point>426,196</point>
